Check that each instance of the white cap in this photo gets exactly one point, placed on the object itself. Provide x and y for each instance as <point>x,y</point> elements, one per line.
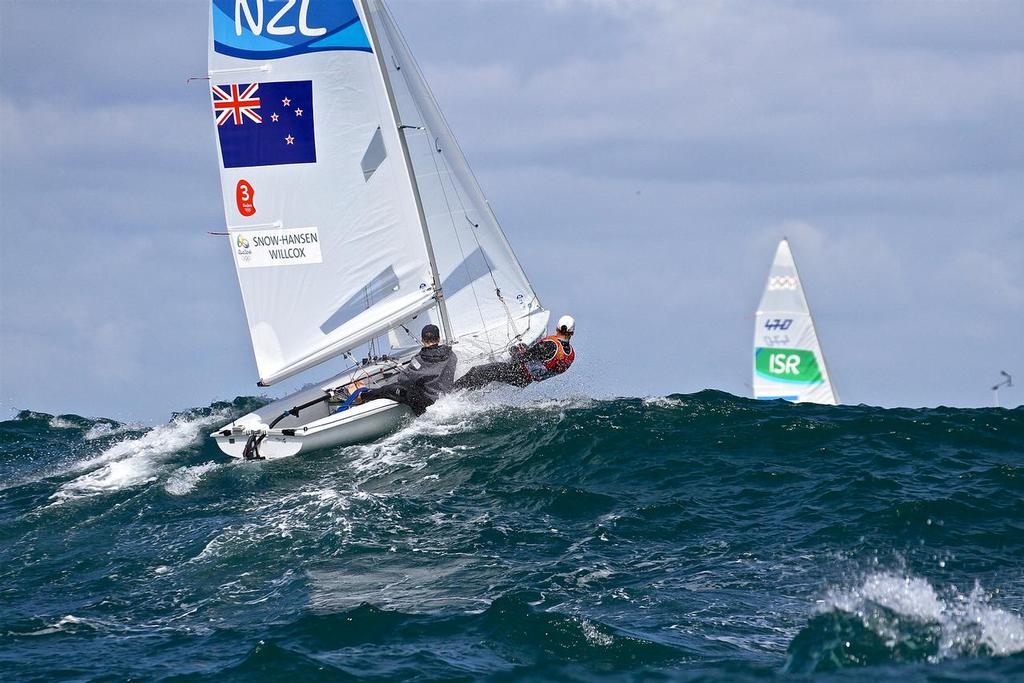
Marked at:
<point>566,324</point>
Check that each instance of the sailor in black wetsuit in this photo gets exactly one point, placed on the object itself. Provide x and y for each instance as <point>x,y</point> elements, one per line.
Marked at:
<point>429,374</point>
<point>548,357</point>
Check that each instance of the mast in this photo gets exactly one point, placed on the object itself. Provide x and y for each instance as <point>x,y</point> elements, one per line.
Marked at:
<point>407,159</point>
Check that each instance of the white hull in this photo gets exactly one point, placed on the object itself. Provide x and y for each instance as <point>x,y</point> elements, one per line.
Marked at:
<point>316,426</point>
<point>355,425</point>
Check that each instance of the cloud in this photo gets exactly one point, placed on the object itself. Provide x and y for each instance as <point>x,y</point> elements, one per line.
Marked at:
<point>730,91</point>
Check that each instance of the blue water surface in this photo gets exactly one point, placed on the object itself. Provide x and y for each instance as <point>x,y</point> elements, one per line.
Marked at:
<point>691,537</point>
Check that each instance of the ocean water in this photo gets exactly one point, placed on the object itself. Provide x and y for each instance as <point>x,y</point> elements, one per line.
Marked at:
<point>690,537</point>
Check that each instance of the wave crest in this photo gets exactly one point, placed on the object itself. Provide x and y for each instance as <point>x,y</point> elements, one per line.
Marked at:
<point>891,618</point>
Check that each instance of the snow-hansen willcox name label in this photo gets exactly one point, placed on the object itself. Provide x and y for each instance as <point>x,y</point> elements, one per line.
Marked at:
<point>276,247</point>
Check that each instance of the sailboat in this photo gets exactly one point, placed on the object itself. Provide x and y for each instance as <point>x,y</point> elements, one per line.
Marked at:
<point>788,361</point>
<point>352,217</point>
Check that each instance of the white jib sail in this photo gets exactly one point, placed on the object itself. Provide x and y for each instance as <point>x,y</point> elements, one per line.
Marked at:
<point>491,303</point>
<point>321,216</point>
<point>788,362</point>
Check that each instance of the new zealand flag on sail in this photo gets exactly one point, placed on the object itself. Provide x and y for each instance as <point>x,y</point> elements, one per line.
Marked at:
<point>265,124</point>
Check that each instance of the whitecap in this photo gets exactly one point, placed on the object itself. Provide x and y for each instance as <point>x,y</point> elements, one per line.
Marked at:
<point>105,429</point>
<point>133,462</point>
<point>969,624</point>
<point>455,413</point>
<point>908,596</point>
<point>452,414</point>
<point>593,635</point>
<point>663,402</point>
<point>64,624</point>
<point>184,479</point>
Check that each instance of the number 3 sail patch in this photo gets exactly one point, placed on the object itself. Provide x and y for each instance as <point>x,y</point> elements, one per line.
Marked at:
<point>244,196</point>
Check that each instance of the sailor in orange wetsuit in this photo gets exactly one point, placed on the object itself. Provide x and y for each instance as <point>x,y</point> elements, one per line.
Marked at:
<point>548,357</point>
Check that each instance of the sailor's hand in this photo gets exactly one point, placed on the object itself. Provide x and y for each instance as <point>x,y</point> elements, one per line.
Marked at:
<point>519,348</point>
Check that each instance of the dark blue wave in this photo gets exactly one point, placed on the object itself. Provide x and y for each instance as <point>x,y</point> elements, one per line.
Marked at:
<point>702,537</point>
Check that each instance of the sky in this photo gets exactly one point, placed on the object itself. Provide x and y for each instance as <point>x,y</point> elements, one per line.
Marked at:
<point>644,158</point>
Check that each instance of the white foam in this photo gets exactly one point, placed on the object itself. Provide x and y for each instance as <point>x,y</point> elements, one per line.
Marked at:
<point>663,402</point>
<point>967,622</point>
<point>454,413</point>
<point>593,635</point>
<point>309,512</point>
<point>66,623</point>
<point>909,596</point>
<point>104,429</point>
<point>97,430</point>
<point>184,479</point>
<point>1001,632</point>
<point>451,414</point>
<point>133,462</point>
<point>586,576</point>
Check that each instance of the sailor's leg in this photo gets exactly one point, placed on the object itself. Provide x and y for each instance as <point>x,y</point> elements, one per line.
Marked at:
<point>518,378</point>
<point>399,395</point>
<point>388,391</point>
<point>476,377</point>
<point>419,407</point>
<point>508,373</point>
<point>515,374</point>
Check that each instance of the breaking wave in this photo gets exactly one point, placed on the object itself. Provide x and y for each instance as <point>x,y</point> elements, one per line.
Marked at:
<point>136,460</point>
<point>892,619</point>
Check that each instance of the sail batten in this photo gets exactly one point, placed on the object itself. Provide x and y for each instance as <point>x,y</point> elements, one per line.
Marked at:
<point>788,361</point>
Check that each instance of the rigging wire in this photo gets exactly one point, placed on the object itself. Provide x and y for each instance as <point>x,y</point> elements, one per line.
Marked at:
<point>483,254</point>
<point>451,216</point>
<point>398,39</point>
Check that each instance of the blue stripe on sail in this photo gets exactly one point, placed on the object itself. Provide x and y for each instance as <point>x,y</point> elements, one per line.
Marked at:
<point>344,31</point>
<point>352,37</point>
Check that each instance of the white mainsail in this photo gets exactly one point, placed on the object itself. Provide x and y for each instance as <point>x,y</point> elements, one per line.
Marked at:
<point>788,362</point>
<point>332,244</point>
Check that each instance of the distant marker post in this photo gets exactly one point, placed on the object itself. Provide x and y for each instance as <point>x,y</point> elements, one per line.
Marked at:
<point>1006,382</point>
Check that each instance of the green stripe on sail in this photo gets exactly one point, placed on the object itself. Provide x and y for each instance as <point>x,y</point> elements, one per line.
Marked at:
<point>787,365</point>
